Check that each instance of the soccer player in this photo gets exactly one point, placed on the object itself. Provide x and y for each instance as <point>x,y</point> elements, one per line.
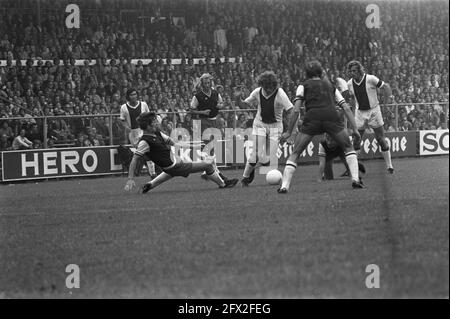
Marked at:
<point>206,104</point>
<point>328,151</point>
<point>271,101</point>
<point>342,86</point>
<point>363,88</point>
<point>319,97</point>
<point>156,146</point>
<point>129,113</point>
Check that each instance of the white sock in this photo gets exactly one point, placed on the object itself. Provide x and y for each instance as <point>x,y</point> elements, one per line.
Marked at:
<point>151,167</point>
<point>249,168</point>
<point>387,158</point>
<point>352,162</point>
<point>161,178</point>
<point>287,174</point>
<point>215,177</point>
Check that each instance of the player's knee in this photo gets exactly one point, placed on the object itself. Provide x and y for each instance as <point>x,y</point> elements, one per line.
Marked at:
<point>385,147</point>
<point>253,158</point>
<point>383,144</point>
<point>209,168</point>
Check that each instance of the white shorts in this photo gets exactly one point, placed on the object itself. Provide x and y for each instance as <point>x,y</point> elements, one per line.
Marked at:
<point>273,130</point>
<point>373,118</point>
<point>135,135</point>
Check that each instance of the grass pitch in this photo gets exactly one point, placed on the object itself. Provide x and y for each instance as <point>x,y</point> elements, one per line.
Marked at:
<point>188,239</point>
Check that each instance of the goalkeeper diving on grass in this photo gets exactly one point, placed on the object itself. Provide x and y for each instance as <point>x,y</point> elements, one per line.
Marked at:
<point>157,147</point>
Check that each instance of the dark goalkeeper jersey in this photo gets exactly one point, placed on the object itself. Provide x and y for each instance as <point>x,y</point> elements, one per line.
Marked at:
<point>156,147</point>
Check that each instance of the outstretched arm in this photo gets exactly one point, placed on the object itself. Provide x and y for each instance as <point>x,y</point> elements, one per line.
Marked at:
<point>134,161</point>
<point>131,183</point>
<point>322,162</point>
<point>294,115</point>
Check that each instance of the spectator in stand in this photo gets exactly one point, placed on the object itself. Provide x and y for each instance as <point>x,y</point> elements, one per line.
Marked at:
<point>21,142</point>
<point>5,144</point>
<point>410,51</point>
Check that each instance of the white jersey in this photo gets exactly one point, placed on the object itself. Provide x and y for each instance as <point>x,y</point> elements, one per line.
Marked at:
<point>131,118</point>
<point>341,85</point>
<point>270,108</point>
<point>365,91</point>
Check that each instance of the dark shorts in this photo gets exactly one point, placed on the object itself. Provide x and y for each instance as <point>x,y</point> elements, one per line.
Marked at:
<point>179,169</point>
<point>323,120</point>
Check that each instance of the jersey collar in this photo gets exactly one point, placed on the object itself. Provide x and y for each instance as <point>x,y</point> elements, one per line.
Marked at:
<point>362,79</point>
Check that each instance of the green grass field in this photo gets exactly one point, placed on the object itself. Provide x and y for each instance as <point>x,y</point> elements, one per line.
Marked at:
<point>188,239</point>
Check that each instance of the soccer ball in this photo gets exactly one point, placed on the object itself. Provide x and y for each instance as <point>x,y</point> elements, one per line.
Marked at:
<point>274,177</point>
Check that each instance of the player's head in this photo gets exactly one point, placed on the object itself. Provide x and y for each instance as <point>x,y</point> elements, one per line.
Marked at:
<point>355,69</point>
<point>205,81</point>
<point>148,120</point>
<point>268,81</point>
<point>313,69</point>
<point>132,95</point>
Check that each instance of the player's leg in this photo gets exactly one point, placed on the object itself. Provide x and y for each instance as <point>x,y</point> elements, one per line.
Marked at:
<point>206,123</point>
<point>151,168</point>
<point>385,151</point>
<point>212,173</point>
<point>343,140</point>
<point>301,142</point>
<point>269,160</point>
<point>328,172</point>
<point>259,139</point>
<point>150,165</point>
<point>158,180</point>
<point>361,122</point>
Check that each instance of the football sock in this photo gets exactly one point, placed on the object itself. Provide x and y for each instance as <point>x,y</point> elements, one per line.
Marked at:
<point>249,167</point>
<point>215,177</point>
<point>161,178</point>
<point>288,173</point>
<point>387,158</point>
<point>352,162</point>
<point>151,167</point>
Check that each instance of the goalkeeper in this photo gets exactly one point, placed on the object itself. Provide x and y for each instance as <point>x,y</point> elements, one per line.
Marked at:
<point>157,147</point>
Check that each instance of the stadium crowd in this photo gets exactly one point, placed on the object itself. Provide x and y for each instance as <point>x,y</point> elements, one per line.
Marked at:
<point>409,51</point>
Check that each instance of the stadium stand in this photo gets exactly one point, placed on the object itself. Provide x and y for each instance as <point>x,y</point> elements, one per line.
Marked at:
<point>114,32</point>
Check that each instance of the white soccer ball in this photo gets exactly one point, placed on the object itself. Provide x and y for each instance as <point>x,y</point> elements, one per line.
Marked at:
<point>274,177</point>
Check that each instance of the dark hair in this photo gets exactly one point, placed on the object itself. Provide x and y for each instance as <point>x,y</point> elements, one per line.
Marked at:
<point>267,79</point>
<point>145,119</point>
<point>129,92</point>
<point>313,69</point>
<point>357,63</point>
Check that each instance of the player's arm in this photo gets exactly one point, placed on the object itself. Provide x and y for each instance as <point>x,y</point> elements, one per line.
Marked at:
<point>295,113</point>
<point>287,105</point>
<point>383,88</point>
<point>349,96</point>
<point>194,106</point>
<point>249,102</point>
<point>142,148</point>
<point>346,95</point>
<point>347,111</point>
<point>123,118</point>
<point>322,163</point>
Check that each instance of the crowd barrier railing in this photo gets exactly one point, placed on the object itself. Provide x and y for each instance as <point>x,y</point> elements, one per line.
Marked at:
<point>112,131</point>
